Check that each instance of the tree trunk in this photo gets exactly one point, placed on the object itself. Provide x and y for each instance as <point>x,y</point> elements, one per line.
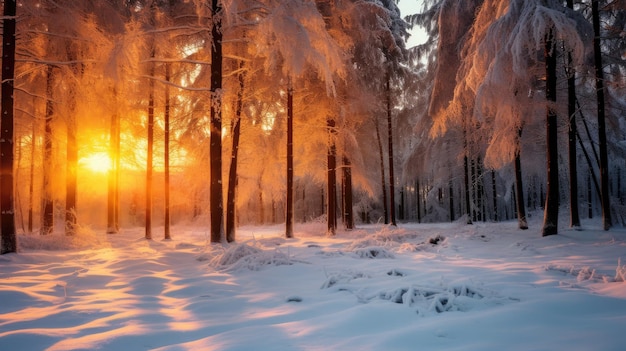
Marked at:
<point>382,172</point>
<point>150,150</point>
<point>47,223</point>
<point>231,193</point>
<point>71,154</point>
<point>348,217</point>
<point>392,202</point>
<point>589,194</point>
<point>494,195</point>
<point>419,201</point>
<point>31,183</point>
<point>480,190</point>
<point>571,135</point>
<point>551,209</point>
<point>451,200</point>
<point>522,223</point>
<point>604,167</point>
<point>166,156</point>
<point>113,190</point>
<point>8,237</point>
<point>331,207</point>
<point>289,206</point>
<point>215,151</point>
<point>71,166</point>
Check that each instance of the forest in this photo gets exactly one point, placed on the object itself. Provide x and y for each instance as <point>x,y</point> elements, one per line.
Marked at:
<point>150,113</point>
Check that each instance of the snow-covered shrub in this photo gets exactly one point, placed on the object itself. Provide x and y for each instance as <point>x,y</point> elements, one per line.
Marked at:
<point>84,237</point>
<point>374,252</point>
<point>428,300</point>
<point>244,256</point>
<point>342,277</point>
<point>620,272</point>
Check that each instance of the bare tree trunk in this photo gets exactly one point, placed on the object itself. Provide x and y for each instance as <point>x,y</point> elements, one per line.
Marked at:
<point>289,207</point>
<point>166,157</point>
<point>150,150</point>
<point>382,172</point>
<point>604,167</point>
<point>113,191</point>
<point>571,135</point>
<point>71,166</point>
<point>47,223</point>
<point>551,209</point>
<point>348,217</point>
<point>522,223</point>
<point>216,200</point>
<point>31,183</point>
<point>231,194</point>
<point>8,237</point>
<point>451,200</point>
<point>392,191</point>
<point>466,173</point>
<point>419,201</point>
<point>494,195</point>
<point>71,154</point>
<point>331,207</point>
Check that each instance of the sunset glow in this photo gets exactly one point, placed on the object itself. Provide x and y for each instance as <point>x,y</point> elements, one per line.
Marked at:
<point>98,162</point>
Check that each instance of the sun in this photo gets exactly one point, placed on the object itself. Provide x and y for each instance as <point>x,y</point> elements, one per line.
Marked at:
<point>98,162</point>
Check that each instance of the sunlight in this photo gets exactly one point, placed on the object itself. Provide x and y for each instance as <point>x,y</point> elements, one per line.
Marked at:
<point>98,162</point>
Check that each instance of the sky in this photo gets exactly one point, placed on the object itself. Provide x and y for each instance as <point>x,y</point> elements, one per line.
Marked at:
<point>409,7</point>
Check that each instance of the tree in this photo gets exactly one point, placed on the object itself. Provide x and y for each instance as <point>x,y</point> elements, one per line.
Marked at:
<point>599,72</point>
<point>551,209</point>
<point>522,223</point>
<point>47,222</point>
<point>8,238</point>
<point>392,179</point>
<point>290,190</point>
<point>216,200</point>
<point>571,136</point>
<point>113,202</point>
<point>234,159</point>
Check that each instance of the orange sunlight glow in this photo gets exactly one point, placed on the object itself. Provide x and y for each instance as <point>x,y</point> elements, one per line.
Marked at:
<point>98,162</point>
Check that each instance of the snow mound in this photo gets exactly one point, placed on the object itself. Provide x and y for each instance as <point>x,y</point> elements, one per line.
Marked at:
<point>243,256</point>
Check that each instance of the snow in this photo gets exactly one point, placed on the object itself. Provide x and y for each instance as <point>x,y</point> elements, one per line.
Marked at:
<point>487,286</point>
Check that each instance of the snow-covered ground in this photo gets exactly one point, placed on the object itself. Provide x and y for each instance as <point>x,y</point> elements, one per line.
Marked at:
<point>416,287</point>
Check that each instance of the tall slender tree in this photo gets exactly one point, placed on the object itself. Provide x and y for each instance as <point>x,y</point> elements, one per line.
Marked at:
<point>551,210</point>
<point>571,136</point>
<point>150,146</point>
<point>113,172</point>
<point>331,191</point>
<point>8,237</point>
<point>290,190</point>
<point>392,180</point>
<point>233,178</point>
<point>47,222</point>
<point>602,143</point>
<point>216,201</point>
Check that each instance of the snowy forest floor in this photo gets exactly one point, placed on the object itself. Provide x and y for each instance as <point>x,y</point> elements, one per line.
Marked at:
<point>488,286</point>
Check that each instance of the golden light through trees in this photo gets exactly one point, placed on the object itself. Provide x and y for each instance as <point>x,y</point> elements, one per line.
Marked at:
<point>98,162</point>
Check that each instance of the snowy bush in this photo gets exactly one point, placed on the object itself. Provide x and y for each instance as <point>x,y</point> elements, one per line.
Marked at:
<point>244,256</point>
<point>83,238</point>
<point>341,277</point>
<point>374,252</point>
<point>620,272</point>
<point>427,300</point>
